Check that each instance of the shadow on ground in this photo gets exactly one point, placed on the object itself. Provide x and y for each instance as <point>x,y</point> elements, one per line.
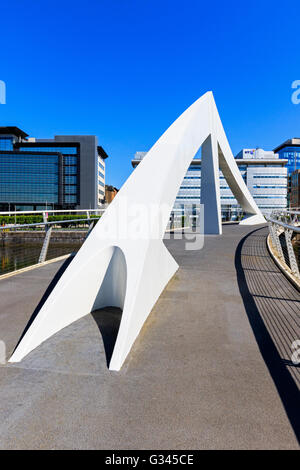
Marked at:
<point>47,292</point>
<point>259,313</point>
<point>108,320</point>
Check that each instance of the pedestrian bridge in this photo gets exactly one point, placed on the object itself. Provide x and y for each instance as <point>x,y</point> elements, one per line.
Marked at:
<point>211,368</point>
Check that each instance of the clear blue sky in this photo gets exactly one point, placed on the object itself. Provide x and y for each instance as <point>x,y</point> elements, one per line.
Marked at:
<point>125,69</point>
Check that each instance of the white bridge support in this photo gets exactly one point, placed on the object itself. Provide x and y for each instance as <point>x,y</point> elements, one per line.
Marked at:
<point>123,264</point>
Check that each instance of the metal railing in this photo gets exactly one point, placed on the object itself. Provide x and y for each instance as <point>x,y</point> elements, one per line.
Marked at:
<point>25,241</point>
<point>56,211</point>
<point>284,228</point>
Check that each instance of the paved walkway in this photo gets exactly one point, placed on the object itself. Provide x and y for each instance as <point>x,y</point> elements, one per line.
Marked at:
<point>210,369</point>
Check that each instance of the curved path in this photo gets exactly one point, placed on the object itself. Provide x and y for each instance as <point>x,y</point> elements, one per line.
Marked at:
<point>211,369</point>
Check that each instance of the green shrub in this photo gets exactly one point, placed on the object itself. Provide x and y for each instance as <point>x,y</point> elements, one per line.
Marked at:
<point>23,219</point>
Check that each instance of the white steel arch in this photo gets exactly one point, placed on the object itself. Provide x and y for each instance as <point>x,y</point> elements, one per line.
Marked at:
<point>130,272</point>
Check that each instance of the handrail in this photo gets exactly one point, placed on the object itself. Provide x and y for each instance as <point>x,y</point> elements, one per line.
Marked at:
<point>55,222</point>
<point>285,211</point>
<point>47,227</point>
<point>295,228</point>
<point>51,211</point>
<point>280,223</point>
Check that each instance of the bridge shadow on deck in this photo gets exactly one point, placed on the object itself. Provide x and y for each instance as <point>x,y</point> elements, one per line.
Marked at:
<point>272,305</point>
<point>108,321</point>
<point>46,294</point>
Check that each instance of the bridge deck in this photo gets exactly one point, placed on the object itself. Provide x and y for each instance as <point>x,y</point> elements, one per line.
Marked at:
<point>210,369</point>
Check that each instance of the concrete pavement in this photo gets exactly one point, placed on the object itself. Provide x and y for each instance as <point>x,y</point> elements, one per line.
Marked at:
<point>201,374</point>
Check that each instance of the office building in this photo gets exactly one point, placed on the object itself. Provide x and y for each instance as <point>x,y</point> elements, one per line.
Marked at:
<point>263,172</point>
<point>110,193</point>
<point>67,172</point>
<point>294,196</point>
<point>290,150</point>
<point>9,136</point>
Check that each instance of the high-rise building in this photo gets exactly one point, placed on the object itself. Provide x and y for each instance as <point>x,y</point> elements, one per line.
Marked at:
<point>290,150</point>
<point>263,172</point>
<point>9,136</point>
<point>67,172</point>
<point>294,199</point>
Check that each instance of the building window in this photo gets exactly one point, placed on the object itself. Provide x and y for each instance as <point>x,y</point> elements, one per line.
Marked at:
<point>70,189</point>
<point>6,143</point>
<point>29,178</point>
<point>70,179</point>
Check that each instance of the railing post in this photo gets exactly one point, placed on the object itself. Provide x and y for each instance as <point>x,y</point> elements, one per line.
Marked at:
<point>91,225</point>
<point>271,232</point>
<point>45,246</point>
<point>172,221</point>
<point>275,240</point>
<point>292,258</point>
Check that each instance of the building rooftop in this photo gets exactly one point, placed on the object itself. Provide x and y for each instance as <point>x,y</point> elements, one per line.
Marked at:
<point>12,130</point>
<point>101,152</point>
<point>294,142</point>
<point>256,154</point>
<point>262,161</point>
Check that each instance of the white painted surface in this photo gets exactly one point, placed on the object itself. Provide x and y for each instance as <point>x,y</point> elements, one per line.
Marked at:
<point>124,264</point>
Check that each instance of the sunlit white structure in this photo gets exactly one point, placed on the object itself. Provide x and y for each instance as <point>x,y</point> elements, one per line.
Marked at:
<point>126,264</point>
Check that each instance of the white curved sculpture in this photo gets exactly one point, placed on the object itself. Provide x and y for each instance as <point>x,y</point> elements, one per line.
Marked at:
<point>114,268</point>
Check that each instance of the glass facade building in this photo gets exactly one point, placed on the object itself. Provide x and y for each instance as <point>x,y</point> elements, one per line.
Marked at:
<point>70,167</point>
<point>295,190</point>
<point>29,179</point>
<point>6,143</point>
<point>290,150</point>
<point>67,172</point>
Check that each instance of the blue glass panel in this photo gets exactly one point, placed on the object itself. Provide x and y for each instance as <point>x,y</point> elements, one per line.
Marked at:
<point>292,154</point>
<point>28,178</point>
<point>63,150</point>
<point>6,143</point>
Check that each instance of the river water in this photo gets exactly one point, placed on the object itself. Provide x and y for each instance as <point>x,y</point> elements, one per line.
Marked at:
<point>17,256</point>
